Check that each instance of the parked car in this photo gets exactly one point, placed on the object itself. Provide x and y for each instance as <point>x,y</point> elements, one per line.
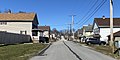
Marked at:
<point>89,41</point>
<point>46,39</point>
<point>43,39</point>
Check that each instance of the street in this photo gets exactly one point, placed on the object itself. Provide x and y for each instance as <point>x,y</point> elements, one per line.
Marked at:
<point>57,51</point>
<point>67,50</point>
<point>87,54</point>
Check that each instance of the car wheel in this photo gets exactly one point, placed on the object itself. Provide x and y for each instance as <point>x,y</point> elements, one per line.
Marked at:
<point>102,44</point>
<point>89,43</point>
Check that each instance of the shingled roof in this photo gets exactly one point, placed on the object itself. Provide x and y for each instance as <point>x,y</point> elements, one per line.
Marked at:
<point>44,28</point>
<point>116,34</point>
<point>17,16</point>
<point>106,22</point>
<point>88,28</point>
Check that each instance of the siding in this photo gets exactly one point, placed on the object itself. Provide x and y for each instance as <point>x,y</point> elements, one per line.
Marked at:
<point>46,34</point>
<point>104,32</point>
<point>16,27</point>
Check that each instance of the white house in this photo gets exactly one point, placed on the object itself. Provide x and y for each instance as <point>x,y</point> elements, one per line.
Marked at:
<point>101,26</point>
<point>87,31</point>
<point>20,23</point>
<point>46,30</point>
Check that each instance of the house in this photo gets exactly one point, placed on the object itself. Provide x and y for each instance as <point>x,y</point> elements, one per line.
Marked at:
<point>87,31</point>
<point>116,36</point>
<point>20,23</point>
<point>53,36</point>
<point>79,32</point>
<point>101,27</point>
<point>46,30</point>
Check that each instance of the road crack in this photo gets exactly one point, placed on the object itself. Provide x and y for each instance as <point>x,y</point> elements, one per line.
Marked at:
<point>72,51</point>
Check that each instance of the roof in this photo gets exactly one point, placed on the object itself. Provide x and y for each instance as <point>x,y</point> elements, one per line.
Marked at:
<point>80,31</point>
<point>116,34</point>
<point>44,28</point>
<point>106,22</point>
<point>17,16</point>
<point>88,28</point>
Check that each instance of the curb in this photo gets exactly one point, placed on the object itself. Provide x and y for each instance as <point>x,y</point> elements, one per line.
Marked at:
<point>43,50</point>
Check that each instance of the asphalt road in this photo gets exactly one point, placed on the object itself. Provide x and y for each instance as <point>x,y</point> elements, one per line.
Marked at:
<point>57,51</point>
<point>70,51</point>
<point>87,54</point>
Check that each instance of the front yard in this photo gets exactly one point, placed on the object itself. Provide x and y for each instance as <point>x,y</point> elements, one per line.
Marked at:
<point>103,49</point>
<point>20,51</point>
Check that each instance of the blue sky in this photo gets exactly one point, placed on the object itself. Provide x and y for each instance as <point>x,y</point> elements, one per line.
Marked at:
<point>56,12</point>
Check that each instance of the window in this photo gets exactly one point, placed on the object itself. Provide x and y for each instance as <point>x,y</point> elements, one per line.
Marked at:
<point>34,33</point>
<point>96,31</point>
<point>23,32</point>
<point>3,23</point>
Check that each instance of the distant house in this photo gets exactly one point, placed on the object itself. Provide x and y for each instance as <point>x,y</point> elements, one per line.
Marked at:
<point>52,35</point>
<point>20,23</point>
<point>101,26</point>
<point>79,32</point>
<point>46,30</point>
<point>87,31</point>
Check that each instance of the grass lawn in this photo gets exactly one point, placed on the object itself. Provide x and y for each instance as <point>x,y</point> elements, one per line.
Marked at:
<point>20,51</point>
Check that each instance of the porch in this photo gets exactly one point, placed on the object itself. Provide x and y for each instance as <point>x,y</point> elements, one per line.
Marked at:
<point>36,33</point>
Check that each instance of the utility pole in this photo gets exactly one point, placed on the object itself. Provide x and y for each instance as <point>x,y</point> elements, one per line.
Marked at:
<point>69,28</point>
<point>73,25</point>
<point>69,31</point>
<point>111,26</point>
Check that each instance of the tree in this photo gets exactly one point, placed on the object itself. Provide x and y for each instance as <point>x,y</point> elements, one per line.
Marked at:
<point>55,31</point>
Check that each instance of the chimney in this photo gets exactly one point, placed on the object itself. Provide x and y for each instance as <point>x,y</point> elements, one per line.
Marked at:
<point>89,24</point>
<point>103,17</point>
<point>9,11</point>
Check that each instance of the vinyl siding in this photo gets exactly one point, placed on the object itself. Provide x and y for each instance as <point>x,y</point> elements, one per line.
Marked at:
<point>16,27</point>
<point>104,32</point>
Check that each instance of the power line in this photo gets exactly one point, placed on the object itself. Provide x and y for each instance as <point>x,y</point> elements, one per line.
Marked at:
<point>88,11</point>
<point>96,9</point>
<point>89,4</point>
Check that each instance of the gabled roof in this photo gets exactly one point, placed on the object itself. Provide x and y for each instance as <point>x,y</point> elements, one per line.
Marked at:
<point>106,22</point>
<point>44,28</point>
<point>88,28</point>
<point>17,16</point>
